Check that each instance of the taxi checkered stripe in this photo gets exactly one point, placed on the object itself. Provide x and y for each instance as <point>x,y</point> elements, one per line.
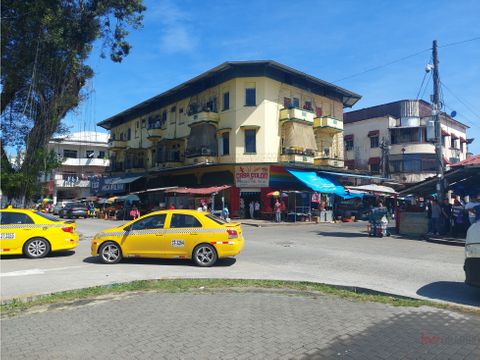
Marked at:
<point>30,226</point>
<point>161,231</point>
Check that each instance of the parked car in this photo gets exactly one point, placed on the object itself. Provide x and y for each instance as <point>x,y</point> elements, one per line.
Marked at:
<point>56,209</point>
<point>170,234</point>
<point>73,210</point>
<point>34,234</point>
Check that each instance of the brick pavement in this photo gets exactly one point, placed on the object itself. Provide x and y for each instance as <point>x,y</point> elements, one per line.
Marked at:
<point>239,325</point>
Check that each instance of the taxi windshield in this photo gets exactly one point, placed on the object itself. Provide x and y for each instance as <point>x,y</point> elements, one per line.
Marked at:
<point>46,216</point>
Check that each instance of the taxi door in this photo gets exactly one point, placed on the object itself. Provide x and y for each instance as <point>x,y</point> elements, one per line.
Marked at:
<point>15,230</point>
<point>145,237</point>
<point>183,233</point>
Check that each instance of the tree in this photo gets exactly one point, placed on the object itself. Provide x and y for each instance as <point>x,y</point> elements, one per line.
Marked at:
<point>44,47</point>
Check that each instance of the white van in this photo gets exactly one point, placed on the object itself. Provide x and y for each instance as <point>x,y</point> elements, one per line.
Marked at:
<point>472,255</point>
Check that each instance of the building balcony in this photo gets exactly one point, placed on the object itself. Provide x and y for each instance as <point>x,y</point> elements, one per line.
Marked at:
<point>200,159</point>
<point>86,162</point>
<point>328,161</point>
<point>295,114</point>
<point>328,124</point>
<point>296,159</point>
<point>155,133</point>
<point>412,148</point>
<point>204,117</point>
<point>117,144</point>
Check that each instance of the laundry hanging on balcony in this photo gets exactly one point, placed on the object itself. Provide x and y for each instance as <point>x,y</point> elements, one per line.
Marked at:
<point>298,136</point>
<point>202,140</point>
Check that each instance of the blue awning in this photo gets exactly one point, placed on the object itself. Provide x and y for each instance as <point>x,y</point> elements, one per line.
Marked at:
<point>322,184</point>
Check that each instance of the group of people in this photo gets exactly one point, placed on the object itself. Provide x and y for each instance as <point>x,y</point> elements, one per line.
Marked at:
<point>452,219</point>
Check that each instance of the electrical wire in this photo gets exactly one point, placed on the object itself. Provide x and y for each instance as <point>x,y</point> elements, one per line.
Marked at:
<point>460,42</point>
<point>382,66</point>
<point>423,82</point>
<point>460,100</point>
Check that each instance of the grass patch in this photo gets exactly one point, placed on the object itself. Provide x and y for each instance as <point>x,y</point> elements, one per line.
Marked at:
<point>182,285</point>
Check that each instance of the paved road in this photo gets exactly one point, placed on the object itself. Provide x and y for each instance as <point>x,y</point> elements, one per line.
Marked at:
<point>330,253</point>
<point>239,325</point>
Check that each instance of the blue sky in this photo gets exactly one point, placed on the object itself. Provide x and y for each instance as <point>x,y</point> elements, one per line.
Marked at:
<point>328,39</point>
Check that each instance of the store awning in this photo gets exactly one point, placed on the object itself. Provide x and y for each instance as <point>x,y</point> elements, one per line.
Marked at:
<point>374,188</point>
<point>322,184</point>
<point>454,136</point>
<point>373,133</point>
<point>445,133</point>
<point>124,180</point>
<point>374,161</point>
<point>199,191</point>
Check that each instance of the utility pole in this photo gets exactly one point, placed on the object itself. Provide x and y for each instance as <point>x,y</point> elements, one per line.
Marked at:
<point>438,129</point>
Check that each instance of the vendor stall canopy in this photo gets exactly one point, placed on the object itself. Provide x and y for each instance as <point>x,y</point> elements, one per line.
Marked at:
<point>322,184</point>
<point>198,191</point>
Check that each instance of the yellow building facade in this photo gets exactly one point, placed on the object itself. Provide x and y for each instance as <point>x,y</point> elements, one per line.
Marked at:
<point>252,113</point>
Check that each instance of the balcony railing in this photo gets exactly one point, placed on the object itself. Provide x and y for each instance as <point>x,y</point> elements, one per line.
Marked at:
<point>294,158</point>
<point>328,124</point>
<point>117,144</point>
<point>328,161</point>
<point>295,114</point>
<point>204,116</point>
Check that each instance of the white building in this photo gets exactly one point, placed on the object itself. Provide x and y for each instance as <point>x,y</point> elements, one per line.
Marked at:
<point>85,155</point>
<point>391,139</point>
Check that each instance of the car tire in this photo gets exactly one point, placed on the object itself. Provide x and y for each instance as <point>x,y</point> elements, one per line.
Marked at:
<point>110,253</point>
<point>204,255</point>
<point>36,248</point>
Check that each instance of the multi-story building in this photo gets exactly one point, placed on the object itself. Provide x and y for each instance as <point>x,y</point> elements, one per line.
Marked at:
<point>84,156</point>
<point>237,118</point>
<point>392,139</point>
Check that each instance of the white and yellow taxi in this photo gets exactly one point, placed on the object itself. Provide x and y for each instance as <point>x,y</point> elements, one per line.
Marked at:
<point>34,234</point>
<point>171,234</point>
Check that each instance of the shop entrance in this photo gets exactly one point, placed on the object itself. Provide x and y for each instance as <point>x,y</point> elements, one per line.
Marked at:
<point>248,199</point>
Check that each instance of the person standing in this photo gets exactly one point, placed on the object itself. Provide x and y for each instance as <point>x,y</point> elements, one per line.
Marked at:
<point>278,211</point>
<point>242,208</point>
<point>446,217</point>
<point>436,213</point>
<point>257,209</point>
<point>251,207</point>
<point>134,213</point>
<point>458,219</point>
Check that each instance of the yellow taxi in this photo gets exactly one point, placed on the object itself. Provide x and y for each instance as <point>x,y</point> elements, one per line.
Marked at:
<point>171,234</point>
<point>34,234</point>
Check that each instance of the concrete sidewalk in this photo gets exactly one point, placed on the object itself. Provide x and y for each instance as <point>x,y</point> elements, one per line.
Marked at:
<point>242,324</point>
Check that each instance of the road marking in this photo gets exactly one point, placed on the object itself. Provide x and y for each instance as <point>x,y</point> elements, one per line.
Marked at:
<point>29,272</point>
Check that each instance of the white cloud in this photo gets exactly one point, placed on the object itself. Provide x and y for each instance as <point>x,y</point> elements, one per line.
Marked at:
<point>176,28</point>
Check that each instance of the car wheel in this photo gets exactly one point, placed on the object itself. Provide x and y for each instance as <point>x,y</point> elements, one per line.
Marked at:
<point>110,253</point>
<point>36,248</point>
<point>205,255</point>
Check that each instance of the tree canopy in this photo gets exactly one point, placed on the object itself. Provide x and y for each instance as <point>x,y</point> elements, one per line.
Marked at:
<point>44,48</point>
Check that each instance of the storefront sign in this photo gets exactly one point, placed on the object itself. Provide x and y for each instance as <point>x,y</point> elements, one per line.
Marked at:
<point>252,176</point>
<point>102,186</point>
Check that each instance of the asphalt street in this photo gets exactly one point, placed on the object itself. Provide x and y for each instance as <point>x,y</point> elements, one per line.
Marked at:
<point>238,324</point>
<point>340,254</point>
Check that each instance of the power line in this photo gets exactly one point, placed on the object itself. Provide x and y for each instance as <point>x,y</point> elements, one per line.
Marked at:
<point>461,101</point>
<point>382,66</point>
<point>460,42</point>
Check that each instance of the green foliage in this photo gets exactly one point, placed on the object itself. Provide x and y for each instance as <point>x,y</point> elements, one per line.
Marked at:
<point>44,47</point>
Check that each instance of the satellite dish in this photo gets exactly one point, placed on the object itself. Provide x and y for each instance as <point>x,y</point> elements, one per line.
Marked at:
<point>453,114</point>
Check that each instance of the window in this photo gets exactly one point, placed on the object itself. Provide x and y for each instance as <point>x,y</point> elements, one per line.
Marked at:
<point>348,144</point>
<point>374,142</point>
<point>318,111</point>
<point>251,141</point>
<point>70,153</point>
<point>287,102</point>
<point>121,136</point>
<point>129,134</point>
<point>47,216</point>
<point>452,142</point>
<point>184,221</point>
<point>250,96</point>
<point>226,143</point>
<point>296,102</point>
<point>138,124</point>
<point>90,153</point>
<point>226,101</point>
<point>151,222</point>
<point>14,218</point>
<point>443,140</point>
<point>413,163</point>
<point>308,106</point>
<point>408,135</point>
<point>101,154</point>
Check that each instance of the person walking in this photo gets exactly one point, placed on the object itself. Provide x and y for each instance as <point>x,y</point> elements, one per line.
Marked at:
<point>278,211</point>
<point>251,208</point>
